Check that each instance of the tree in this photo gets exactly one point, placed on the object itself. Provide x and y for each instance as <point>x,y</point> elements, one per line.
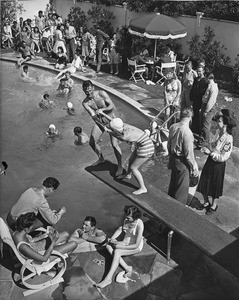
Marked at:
<point>209,49</point>
<point>77,18</point>
<point>9,10</point>
<point>102,18</point>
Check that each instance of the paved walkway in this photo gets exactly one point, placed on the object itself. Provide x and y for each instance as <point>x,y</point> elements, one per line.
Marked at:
<point>154,272</point>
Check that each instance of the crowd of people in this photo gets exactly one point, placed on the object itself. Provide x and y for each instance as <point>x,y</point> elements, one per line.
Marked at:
<point>193,93</point>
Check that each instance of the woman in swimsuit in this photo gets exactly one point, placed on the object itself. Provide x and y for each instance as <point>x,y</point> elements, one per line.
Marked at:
<point>132,243</point>
<point>144,148</point>
<point>34,248</point>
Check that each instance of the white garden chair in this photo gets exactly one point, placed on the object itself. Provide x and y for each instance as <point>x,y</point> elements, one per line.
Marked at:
<point>31,272</point>
<point>136,70</point>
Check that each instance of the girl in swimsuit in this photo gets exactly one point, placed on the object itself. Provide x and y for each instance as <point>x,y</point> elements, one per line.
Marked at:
<point>29,248</point>
<point>132,243</point>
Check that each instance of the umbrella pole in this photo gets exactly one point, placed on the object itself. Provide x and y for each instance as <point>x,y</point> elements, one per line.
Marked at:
<point>155,48</point>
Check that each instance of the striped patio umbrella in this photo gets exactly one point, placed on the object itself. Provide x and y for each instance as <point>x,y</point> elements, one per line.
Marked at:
<point>156,26</point>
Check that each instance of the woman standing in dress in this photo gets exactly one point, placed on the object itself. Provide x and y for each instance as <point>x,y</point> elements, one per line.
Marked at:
<point>172,93</point>
<point>212,177</point>
<point>58,38</point>
<point>132,243</point>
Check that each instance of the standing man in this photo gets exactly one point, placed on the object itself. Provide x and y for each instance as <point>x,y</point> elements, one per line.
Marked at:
<point>189,76</point>
<point>33,200</point>
<point>100,41</point>
<point>198,90</point>
<point>182,162</point>
<point>94,103</point>
<point>208,108</point>
<point>40,21</point>
<point>70,34</point>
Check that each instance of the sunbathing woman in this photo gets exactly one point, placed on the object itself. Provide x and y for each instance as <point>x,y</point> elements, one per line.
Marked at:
<point>132,243</point>
<point>34,248</point>
<point>144,148</point>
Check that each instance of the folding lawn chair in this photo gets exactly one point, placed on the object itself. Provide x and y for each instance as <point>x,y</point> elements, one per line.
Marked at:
<point>136,70</point>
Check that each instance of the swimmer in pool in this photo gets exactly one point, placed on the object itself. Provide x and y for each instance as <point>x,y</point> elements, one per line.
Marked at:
<point>25,75</point>
<point>52,131</point>
<point>82,138</point>
<point>88,232</point>
<point>66,83</point>
<point>4,168</point>
<point>94,103</point>
<point>70,109</point>
<point>143,148</point>
<point>46,103</point>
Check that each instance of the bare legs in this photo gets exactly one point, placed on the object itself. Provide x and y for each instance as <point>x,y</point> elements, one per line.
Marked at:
<point>95,136</point>
<point>134,163</point>
<point>118,154</point>
<point>117,259</point>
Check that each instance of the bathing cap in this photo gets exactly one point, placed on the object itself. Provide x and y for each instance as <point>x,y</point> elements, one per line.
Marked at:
<point>52,126</point>
<point>117,124</point>
<point>69,105</point>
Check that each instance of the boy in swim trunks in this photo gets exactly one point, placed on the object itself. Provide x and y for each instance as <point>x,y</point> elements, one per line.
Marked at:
<point>26,53</point>
<point>45,103</point>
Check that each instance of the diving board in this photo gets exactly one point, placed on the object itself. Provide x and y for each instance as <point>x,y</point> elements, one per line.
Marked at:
<point>219,245</point>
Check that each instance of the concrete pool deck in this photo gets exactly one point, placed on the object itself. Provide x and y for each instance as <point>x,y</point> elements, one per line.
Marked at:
<point>150,265</point>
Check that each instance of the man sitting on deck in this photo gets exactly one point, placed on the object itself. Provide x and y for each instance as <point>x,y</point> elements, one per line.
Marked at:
<point>88,233</point>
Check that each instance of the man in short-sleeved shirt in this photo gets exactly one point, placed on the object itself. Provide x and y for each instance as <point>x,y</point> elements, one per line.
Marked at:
<point>182,162</point>
<point>33,200</point>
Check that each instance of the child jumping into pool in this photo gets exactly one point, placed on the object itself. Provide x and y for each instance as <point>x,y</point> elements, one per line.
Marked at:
<point>82,138</point>
<point>26,54</point>
<point>132,243</point>
<point>144,148</point>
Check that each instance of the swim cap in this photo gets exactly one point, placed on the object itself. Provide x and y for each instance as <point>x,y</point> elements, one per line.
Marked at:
<point>52,126</point>
<point>69,105</point>
<point>117,124</point>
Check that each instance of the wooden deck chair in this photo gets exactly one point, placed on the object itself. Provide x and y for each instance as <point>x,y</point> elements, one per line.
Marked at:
<point>136,70</point>
<point>31,273</point>
<point>161,70</point>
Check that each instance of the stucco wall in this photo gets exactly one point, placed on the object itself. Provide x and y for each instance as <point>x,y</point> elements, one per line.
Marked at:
<point>32,7</point>
<point>226,32</point>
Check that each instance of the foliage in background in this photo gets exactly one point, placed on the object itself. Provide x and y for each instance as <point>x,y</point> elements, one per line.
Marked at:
<point>9,10</point>
<point>236,70</point>
<point>102,18</point>
<point>77,18</point>
<point>224,10</point>
<point>209,49</point>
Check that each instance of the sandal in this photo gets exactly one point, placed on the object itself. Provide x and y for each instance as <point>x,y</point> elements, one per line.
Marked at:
<point>211,210</point>
<point>206,206</point>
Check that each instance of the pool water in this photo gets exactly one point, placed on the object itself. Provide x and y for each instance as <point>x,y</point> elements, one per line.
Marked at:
<point>32,156</point>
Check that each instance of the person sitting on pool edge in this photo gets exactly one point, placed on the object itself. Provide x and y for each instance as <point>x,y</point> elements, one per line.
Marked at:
<point>26,53</point>
<point>88,233</point>
<point>66,83</point>
<point>82,137</point>
<point>45,103</point>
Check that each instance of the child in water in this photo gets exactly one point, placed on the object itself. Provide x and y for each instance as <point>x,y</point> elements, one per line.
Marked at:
<point>52,132</point>
<point>70,109</point>
<point>45,103</point>
<point>66,83</point>
<point>82,137</point>
<point>25,75</point>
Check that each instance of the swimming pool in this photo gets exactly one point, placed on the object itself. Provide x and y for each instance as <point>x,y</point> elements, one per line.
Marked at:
<point>32,157</point>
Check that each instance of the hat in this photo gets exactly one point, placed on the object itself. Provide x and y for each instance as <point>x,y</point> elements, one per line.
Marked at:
<point>52,126</point>
<point>69,105</point>
<point>116,124</point>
